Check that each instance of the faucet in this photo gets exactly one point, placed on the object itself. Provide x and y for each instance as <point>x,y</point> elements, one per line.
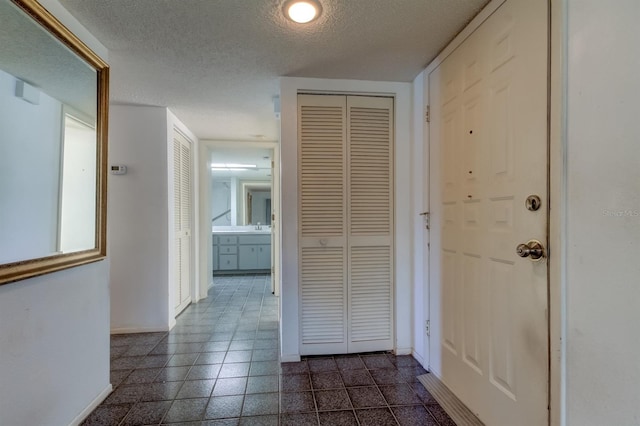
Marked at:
<point>258,227</point>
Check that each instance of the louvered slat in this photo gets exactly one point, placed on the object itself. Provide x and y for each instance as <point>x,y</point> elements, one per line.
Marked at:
<point>185,190</point>
<point>370,294</point>
<point>323,304</point>
<point>176,185</point>
<point>370,171</point>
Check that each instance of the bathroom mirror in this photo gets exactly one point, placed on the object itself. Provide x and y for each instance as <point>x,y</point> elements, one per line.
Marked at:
<point>53,145</point>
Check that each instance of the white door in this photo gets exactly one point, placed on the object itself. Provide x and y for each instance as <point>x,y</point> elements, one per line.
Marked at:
<point>182,220</point>
<point>488,153</point>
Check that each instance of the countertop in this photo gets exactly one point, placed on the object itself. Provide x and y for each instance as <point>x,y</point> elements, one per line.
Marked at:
<point>250,229</point>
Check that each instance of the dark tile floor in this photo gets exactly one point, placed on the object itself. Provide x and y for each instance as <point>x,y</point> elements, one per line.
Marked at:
<point>219,366</point>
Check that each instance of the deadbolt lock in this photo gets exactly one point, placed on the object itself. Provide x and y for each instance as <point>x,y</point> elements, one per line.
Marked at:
<point>533,249</point>
<point>533,203</point>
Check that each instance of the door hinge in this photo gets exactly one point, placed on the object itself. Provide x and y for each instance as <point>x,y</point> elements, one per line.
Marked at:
<point>425,217</point>
<point>427,327</point>
<point>427,114</point>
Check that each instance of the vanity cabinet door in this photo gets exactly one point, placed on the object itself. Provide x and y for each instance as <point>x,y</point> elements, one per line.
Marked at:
<point>248,257</point>
<point>264,256</point>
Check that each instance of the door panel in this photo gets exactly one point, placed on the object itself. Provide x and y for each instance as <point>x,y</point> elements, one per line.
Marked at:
<point>182,220</point>
<point>488,152</point>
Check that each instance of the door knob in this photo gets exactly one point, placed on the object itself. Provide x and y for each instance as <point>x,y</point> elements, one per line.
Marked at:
<point>532,249</point>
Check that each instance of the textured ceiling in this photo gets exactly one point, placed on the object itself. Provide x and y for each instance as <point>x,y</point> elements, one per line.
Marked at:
<point>216,63</point>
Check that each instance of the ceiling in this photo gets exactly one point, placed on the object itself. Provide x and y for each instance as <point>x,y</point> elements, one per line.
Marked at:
<point>216,63</point>
<point>253,156</point>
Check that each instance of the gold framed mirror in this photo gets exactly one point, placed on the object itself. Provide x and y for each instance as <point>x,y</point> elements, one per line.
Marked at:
<point>53,145</point>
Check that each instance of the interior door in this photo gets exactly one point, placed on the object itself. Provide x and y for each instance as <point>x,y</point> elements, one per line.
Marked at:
<point>182,220</point>
<point>488,154</point>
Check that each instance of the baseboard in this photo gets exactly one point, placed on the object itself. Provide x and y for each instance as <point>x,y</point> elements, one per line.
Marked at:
<point>418,357</point>
<point>403,351</point>
<point>459,413</point>
<point>92,406</point>
<point>131,330</point>
<point>290,358</point>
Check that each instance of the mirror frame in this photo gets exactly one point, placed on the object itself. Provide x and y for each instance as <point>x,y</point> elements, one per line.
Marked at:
<point>11,272</point>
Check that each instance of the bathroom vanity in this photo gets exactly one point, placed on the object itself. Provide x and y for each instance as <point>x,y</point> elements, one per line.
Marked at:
<point>241,249</point>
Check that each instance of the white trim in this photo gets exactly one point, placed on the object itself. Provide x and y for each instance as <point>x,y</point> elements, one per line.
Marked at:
<point>131,330</point>
<point>403,351</point>
<point>403,269</point>
<point>417,357</point>
<point>205,261</point>
<point>92,406</point>
<point>290,358</point>
<point>558,215</point>
<point>464,34</point>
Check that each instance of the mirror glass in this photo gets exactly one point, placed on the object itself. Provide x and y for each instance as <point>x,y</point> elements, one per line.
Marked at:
<point>241,187</point>
<point>51,152</point>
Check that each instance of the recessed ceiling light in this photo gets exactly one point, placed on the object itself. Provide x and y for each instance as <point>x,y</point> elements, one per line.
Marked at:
<point>302,11</point>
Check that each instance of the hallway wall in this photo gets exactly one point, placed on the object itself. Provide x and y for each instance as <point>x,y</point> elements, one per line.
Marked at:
<point>140,220</point>
<point>603,213</point>
<point>54,329</point>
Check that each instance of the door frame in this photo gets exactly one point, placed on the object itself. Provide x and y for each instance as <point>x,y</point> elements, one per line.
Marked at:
<point>205,262</point>
<point>557,183</point>
<point>290,87</point>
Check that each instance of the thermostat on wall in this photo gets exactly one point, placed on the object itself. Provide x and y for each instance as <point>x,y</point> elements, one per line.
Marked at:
<point>118,170</point>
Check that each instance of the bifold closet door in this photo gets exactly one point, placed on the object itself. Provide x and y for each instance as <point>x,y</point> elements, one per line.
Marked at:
<point>345,219</point>
<point>370,223</point>
<point>322,162</point>
<point>182,178</point>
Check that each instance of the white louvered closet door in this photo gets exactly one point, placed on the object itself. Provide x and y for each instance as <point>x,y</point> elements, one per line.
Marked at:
<point>370,223</point>
<point>346,207</point>
<point>182,220</point>
<point>323,223</point>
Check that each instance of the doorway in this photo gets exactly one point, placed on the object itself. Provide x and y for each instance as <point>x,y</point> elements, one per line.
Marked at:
<point>239,187</point>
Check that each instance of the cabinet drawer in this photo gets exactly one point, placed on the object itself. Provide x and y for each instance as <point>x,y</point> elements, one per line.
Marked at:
<point>228,249</point>
<point>255,239</point>
<point>227,239</point>
<point>228,262</point>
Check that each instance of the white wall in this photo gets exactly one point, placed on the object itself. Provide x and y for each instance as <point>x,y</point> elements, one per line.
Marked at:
<point>289,88</point>
<point>78,192</point>
<point>54,345</point>
<point>259,207</point>
<point>138,218</point>
<point>54,336</point>
<point>221,201</point>
<point>29,180</point>
<point>603,213</point>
